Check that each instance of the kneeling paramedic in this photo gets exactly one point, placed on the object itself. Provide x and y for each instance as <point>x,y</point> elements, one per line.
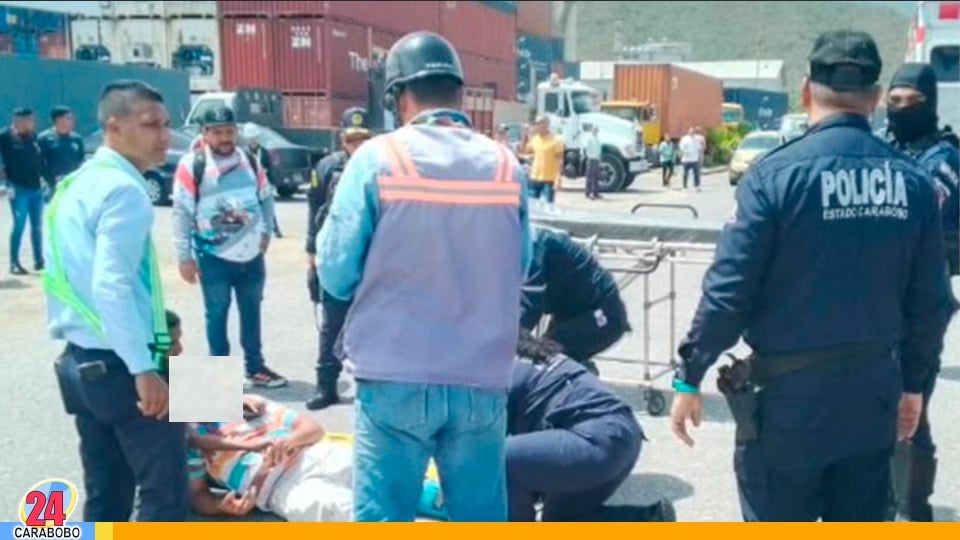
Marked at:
<point>572,442</point>
<point>428,236</point>
<point>912,123</point>
<point>354,132</point>
<point>105,299</point>
<point>567,282</point>
<point>832,270</point>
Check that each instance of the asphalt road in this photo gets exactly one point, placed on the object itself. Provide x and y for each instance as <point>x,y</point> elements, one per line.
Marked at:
<point>38,440</point>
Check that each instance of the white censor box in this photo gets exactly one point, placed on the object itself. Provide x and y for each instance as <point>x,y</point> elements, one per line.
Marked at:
<point>206,389</point>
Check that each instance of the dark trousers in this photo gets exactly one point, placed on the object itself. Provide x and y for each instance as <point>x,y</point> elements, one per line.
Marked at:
<point>593,177</point>
<point>824,446</point>
<point>26,204</point>
<point>573,471</point>
<point>120,449</point>
<point>544,189</point>
<point>695,169</point>
<point>590,333</point>
<point>329,364</point>
<point>666,169</point>
<point>220,280</point>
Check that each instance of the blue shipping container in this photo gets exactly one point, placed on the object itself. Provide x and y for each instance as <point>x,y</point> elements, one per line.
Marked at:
<point>535,54</point>
<point>42,84</point>
<point>26,44</point>
<point>15,19</point>
<point>506,7</point>
<point>573,70</point>
<point>761,108</point>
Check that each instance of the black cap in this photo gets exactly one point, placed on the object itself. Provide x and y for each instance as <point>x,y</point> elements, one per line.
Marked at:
<point>355,121</point>
<point>219,116</point>
<point>21,112</point>
<point>845,60</point>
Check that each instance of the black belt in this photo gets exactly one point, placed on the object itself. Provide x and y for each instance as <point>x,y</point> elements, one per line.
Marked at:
<point>765,368</point>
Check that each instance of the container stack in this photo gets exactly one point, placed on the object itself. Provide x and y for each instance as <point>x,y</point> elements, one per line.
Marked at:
<point>34,33</point>
<point>172,35</point>
<point>538,51</point>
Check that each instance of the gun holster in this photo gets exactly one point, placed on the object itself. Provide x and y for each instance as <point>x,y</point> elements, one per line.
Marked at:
<point>743,400</point>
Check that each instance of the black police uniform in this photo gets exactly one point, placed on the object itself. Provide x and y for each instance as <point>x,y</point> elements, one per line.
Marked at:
<point>334,311</point>
<point>571,442</point>
<point>834,257</point>
<point>914,131</point>
<point>582,298</point>
<point>62,154</point>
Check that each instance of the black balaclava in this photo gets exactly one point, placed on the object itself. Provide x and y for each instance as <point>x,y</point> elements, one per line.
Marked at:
<point>909,124</point>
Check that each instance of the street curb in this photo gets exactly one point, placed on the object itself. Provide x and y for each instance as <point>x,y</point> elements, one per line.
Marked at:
<point>714,170</point>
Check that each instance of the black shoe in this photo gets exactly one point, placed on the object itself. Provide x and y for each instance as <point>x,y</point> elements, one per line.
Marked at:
<point>326,397</point>
<point>662,511</point>
<point>38,267</point>
<point>17,270</point>
<point>266,378</point>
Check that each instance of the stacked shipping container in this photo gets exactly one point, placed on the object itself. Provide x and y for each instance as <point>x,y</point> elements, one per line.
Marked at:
<point>173,35</point>
<point>538,52</point>
<point>318,53</point>
<point>33,33</point>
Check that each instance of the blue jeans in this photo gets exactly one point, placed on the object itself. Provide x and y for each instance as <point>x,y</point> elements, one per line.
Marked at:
<point>218,279</point>
<point>400,426</point>
<point>544,190</point>
<point>26,203</point>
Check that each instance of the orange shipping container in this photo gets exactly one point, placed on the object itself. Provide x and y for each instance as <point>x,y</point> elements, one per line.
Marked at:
<point>316,111</point>
<point>535,17</point>
<point>683,98</point>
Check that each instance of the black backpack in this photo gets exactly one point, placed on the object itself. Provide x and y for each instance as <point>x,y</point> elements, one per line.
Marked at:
<point>200,165</point>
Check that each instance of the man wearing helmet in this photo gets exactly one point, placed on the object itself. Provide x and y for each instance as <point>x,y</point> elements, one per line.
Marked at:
<point>354,132</point>
<point>428,237</point>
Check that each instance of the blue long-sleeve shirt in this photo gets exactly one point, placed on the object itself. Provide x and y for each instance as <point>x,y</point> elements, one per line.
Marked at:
<point>103,229</point>
<point>346,234</point>
<point>836,241</point>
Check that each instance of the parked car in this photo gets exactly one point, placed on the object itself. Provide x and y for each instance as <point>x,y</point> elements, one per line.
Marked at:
<point>793,126</point>
<point>159,179</point>
<point>751,148</point>
<point>290,164</point>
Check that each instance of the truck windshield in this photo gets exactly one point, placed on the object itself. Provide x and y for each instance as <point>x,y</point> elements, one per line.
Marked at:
<point>583,102</point>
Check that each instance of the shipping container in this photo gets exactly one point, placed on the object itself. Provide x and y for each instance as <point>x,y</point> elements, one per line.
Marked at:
<point>573,70</point>
<point>6,45</point>
<point>54,46</point>
<point>535,17</point>
<point>683,98</point>
<point>42,84</point>
<point>26,45</point>
<point>321,56</point>
<point>380,43</point>
<point>14,20</point>
<point>248,53</point>
<point>535,58</point>
<point>194,45</point>
<point>475,28</point>
<point>160,9</point>
<point>317,111</point>
<point>478,103</point>
<point>506,7</point>
<point>91,40</point>
<point>400,17</point>
<point>761,108</point>
<point>498,75</point>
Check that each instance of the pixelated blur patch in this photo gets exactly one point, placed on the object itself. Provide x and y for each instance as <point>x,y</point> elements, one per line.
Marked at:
<point>206,389</point>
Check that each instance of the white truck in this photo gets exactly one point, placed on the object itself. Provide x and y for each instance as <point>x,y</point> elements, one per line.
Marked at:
<point>935,39</point>
<point>569,105</point>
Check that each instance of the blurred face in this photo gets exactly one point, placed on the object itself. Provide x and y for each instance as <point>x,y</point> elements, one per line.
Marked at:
<point>65,123</point>
<point>222,140</point>
<point>352,141</point>
<point>143,136</point>
<point>176,347</point>
<point>900,98</point>
<point>543,127</point>
<point>25,125</point>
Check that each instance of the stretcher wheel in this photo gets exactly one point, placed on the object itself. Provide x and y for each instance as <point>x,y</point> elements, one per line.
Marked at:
<point>656,402</point>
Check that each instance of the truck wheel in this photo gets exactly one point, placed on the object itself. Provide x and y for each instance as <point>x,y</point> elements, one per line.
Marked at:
<point>154,184</point>
<point>286,193</point>
<point>630,180</point>
<point>613,173</point>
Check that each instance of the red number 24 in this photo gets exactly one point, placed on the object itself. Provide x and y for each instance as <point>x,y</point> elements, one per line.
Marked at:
<point>51,509</point>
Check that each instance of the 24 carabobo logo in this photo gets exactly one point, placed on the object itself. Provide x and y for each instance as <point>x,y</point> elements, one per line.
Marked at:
<point>45,508</point>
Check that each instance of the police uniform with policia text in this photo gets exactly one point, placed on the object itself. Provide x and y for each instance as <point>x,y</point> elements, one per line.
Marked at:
<point>832,271</point>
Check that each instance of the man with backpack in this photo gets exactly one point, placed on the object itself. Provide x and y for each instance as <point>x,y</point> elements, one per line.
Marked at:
<point>223,217</point>
<point>355,131</point>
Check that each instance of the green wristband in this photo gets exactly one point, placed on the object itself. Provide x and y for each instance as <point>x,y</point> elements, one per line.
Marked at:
<point>685,388</point>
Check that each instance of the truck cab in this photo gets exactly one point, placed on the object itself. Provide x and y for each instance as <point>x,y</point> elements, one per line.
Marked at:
<point>733,114</point>
<point>569,105</point>
<point>643,114</point>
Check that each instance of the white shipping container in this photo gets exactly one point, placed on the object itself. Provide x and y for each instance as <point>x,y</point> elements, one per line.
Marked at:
<point>192,45</point>
<point>163,10</point>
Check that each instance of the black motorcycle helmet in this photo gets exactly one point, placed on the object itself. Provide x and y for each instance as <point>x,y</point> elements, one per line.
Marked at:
<point>416,56</point>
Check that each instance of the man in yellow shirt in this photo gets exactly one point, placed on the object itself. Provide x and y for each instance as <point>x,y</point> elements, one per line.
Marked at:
<point>547,150</point>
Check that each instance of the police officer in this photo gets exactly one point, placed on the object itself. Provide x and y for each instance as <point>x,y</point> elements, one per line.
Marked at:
<point>61,148</point>
<point>833,258</point>
<point>105,303</point>
<point>428,236</point>
<point>572,442</point>
<point>912,124</point>
<point>566,282</point>
<point>354,131</point>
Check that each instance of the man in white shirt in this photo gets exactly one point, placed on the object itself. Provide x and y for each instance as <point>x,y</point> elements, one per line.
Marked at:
<point>691,152</point>
<point>592,151</point>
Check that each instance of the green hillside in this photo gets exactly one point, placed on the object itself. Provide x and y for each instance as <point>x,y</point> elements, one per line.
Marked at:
<point>742,30</point>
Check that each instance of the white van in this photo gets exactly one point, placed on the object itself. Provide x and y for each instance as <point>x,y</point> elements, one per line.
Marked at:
<point>935,39</point>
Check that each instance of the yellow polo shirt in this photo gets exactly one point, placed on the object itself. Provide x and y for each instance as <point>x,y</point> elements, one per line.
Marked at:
<point>547,158</point>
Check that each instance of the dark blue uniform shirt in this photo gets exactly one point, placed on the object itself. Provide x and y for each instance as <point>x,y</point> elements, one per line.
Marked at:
<point>836,240</point>
<point>564,279</point>
<point>942,161</point>
<point>326,175</point>
<point>559,394</point>
<point>62,154</point>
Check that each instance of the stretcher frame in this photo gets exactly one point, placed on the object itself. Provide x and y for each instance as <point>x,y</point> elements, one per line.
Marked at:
<point>633,260</point>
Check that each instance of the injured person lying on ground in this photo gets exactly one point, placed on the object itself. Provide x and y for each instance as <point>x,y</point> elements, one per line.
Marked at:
<point>572,442</point>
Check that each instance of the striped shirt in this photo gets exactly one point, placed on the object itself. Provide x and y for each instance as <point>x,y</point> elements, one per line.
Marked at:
<point>235,470</point>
